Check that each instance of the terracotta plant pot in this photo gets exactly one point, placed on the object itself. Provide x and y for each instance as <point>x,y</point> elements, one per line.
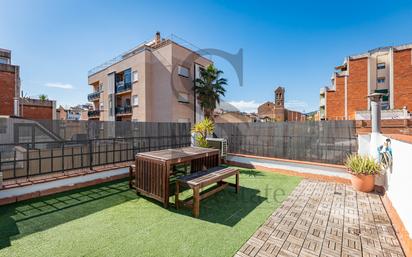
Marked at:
<point>363,183</point>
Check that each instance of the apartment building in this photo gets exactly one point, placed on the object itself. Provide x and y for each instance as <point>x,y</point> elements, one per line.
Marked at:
<point>386,70</point>
<point>11,104</point>
<point>151,82</point>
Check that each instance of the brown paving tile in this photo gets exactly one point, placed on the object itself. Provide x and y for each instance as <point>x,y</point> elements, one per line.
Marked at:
<point>327,220</point>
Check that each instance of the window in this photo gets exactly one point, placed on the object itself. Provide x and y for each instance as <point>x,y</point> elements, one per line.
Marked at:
<point>135,100</point>
<point>100,87</point>
<point>135,76</point>
<point>183,71</point>
<point>183,97</point>
<point>127,76</point>
<point>101,106</point>
<point>380,66</point>
<point>4,60</point>
<point>381,80</point>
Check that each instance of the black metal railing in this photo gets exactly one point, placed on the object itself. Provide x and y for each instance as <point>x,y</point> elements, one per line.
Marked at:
<point>93,113</point>
<point>124,110</point>
<point>123,86</point>
<point>26,160</point>
<point>93,96</point>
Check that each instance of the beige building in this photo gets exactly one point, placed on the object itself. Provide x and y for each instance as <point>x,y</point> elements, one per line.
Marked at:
<point>235,117</point>
<point>151,82</point>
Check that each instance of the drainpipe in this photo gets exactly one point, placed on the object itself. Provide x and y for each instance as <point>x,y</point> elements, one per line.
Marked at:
<point>375,102</point>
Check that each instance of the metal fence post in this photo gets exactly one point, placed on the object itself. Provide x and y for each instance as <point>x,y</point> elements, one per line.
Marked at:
<point>27,160</point>
<point>1,174</point>
<point>90,155</point>
<point>113,149</point>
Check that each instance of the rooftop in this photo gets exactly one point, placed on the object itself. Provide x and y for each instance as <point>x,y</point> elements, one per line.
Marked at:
<point>379,49</point>
<point>150,45</point>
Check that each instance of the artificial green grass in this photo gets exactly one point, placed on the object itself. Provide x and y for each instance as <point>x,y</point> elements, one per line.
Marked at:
<point>111,220</point>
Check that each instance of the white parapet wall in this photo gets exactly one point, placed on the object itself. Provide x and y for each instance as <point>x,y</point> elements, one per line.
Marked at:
<point>39,189</point>
<point>295,166</point>
<point>397,180</point>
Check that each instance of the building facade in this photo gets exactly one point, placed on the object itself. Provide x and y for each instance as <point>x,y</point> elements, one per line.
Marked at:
<point>235,117</point>
<point>79,112</point>
<point>385,70</point>
<point>152,82</point>
<point>37,109</point>
<point>11,104</point>
<point>276,111</point>
<point>9,85</point>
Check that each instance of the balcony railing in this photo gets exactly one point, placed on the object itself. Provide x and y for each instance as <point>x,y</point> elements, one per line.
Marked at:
<point>93,96</point>
<point>93,113</point>
<point>122,86</point>
<point>124,110</point>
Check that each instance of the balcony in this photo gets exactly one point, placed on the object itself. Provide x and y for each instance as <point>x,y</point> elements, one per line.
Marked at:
<point>93,114</point>
<point>322,113</point>
<point>322,101</point>
<point>121,87</point>
<point>123,110</point>
<point>93,96</point>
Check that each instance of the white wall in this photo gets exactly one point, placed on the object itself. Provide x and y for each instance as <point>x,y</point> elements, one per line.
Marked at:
<point>292,166</point>
<point>397,180</point>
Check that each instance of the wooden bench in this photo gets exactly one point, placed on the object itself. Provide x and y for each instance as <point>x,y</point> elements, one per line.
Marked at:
<point>201,179</point>
<point>132,172</point>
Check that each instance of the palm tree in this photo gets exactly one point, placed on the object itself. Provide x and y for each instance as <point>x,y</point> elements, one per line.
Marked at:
<point>43,97</point>
<point>209,88</point>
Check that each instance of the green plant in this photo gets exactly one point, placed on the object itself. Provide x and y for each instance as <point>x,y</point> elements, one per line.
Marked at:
<point>209,87</point>
<point>362,165</point>
<point>202,129</point>
<point>43,97</point>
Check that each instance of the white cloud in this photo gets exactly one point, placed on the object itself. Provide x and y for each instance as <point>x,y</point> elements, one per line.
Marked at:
<point>296,105</point>
<point>59,85</point>
<point>245,106</point>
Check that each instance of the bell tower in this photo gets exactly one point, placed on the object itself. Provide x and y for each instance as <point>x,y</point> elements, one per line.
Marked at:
<point>280,97</point>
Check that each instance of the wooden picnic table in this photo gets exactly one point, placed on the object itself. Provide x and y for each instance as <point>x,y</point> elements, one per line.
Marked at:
<point>153,169</point>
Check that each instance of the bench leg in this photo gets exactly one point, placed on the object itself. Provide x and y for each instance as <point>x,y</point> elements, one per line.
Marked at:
<point>177,195</point>
<point>130,176</point>
<point>237,183</point>
<point>196,202</point>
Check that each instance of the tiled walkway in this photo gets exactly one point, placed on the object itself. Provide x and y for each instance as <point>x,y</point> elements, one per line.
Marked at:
<point>325,219</point>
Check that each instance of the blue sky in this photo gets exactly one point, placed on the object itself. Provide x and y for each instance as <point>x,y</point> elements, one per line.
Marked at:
<point>295,44</point>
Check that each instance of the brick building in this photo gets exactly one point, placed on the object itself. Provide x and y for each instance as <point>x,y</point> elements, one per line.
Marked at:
<point>385,70</point>
<point>276,111</point>
<point>9,85</point>
<point>11,104</point>
<point>79,112</point>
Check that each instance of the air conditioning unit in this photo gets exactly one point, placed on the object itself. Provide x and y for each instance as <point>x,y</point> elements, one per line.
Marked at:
<point>219,143</point>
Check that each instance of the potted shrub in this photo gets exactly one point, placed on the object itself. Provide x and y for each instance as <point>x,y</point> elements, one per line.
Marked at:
<point>363,170</point>
<point>201,130</point>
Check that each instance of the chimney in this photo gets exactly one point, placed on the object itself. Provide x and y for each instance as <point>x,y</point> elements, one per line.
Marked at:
<point>157,38</point>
